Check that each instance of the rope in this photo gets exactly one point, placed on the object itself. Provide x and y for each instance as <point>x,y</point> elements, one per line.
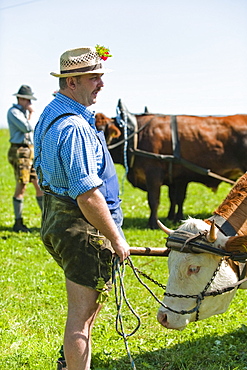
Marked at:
<point>120,297</point>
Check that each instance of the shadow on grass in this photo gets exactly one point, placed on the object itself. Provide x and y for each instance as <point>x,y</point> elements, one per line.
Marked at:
<point>7,232</point>
<point>141,223</point>
<point>206,353</point>
<point>129,223</point>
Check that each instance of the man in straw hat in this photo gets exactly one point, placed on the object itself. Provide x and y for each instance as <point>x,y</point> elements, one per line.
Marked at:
<point>82,218</point>
<point>20,154</point>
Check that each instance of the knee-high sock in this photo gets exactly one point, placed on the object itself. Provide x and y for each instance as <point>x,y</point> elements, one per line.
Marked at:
<point>18,207</point>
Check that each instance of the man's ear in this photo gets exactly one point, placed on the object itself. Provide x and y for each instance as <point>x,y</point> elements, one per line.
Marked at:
<point>71,82</point>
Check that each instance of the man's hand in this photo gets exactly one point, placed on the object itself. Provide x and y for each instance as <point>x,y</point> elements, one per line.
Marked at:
<point>122,249</point>
<point>30,110</point>
<point>94,207</point>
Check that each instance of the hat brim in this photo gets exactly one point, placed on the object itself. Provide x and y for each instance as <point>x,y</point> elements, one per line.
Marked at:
<point>101,70</point>
<point>28,97</point>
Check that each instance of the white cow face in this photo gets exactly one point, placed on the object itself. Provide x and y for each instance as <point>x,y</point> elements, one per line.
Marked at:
<point>188,275</point>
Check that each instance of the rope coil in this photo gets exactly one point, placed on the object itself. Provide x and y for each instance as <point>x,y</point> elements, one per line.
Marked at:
<point>120,296</point>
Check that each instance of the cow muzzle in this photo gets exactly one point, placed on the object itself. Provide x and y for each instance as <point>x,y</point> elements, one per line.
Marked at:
<point>172,321</point>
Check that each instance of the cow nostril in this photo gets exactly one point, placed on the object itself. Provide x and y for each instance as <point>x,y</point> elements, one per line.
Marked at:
<point>162,318</point>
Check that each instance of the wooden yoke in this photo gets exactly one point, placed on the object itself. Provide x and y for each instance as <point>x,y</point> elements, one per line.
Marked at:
<point>145,251</point>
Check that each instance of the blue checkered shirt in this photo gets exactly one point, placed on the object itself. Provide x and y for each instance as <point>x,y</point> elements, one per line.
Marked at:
<point>69,158</point>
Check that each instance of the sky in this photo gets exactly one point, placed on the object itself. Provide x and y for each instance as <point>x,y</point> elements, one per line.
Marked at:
<point>172,56</point>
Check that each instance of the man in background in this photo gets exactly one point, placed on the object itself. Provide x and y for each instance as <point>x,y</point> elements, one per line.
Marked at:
<point>20,154</point>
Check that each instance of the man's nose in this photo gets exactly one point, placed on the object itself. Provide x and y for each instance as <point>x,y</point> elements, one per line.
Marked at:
<point>101,83</point>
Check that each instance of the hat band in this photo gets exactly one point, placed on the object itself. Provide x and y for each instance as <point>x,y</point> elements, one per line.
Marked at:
<point>84,69</point>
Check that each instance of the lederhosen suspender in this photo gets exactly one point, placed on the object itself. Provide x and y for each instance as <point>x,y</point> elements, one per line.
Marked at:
<point>53,121</point>
<point>42,138</point>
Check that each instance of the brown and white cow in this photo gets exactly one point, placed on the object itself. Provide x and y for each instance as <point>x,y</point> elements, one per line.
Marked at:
<point>215,143</point>
<point>195,274</point>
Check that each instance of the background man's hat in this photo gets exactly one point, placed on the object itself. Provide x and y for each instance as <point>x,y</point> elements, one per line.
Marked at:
<point>76,62</point>
<point>25,92</point>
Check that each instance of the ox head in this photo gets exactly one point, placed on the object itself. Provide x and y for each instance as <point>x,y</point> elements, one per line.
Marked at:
<point>107,125</point>
<point>197,272</point>
<point>119,133</point>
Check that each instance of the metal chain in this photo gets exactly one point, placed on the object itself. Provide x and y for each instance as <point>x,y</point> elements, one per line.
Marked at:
<point>202,294</point>
<point>148,277</point>
<point>130,263</point>
<point>213,276</point>
<point>199,297</point>
<point>213,293</point>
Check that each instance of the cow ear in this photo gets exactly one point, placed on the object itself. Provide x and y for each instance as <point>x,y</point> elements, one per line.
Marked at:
<point>236,244</point>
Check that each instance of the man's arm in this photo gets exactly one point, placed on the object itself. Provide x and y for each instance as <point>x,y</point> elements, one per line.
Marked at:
<point>95,209</point>
<point>17,118</point>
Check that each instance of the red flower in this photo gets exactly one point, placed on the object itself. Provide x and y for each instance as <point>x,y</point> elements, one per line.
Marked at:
<point>102,52</point>
<point>105,57</point>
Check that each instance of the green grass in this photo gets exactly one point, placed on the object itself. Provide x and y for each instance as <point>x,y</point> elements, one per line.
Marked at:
<point>33,300</point>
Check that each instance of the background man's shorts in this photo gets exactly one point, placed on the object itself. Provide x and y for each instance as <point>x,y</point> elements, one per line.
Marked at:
<point>84,254</point>
<point>20,156</point>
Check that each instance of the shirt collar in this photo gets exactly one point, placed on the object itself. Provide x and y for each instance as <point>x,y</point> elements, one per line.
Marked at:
<point>20,107</point>
<point>77,107</point>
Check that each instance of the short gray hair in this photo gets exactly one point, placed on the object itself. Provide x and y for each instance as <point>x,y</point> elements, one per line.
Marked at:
<point>63,81</point>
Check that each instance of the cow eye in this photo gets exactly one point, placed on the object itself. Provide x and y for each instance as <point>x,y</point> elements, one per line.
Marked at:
<point>193,269</point>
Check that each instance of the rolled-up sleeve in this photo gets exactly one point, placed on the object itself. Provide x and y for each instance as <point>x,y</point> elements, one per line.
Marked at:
<point>81,155</point>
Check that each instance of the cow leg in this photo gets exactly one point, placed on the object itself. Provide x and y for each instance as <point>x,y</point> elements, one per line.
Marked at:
<point>153,189</point>
<point>153,202</point>
<point>173,203</point>
<point>181,188</point>
<point>177,194</point>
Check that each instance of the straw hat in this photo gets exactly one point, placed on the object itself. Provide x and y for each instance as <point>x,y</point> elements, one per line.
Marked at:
<point>25,92</point>
<point>76,62</point>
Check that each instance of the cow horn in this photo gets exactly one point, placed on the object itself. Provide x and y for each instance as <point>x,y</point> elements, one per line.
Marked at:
<point>164,228</point>
<point>211,235</point>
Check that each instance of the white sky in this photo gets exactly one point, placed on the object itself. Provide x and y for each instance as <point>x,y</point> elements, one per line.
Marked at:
<point>173,56</point>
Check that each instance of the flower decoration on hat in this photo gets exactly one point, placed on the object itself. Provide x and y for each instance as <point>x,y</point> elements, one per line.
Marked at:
<point>103,52</point>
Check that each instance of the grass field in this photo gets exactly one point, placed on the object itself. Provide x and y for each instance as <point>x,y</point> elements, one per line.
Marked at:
<point>33,300</point>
